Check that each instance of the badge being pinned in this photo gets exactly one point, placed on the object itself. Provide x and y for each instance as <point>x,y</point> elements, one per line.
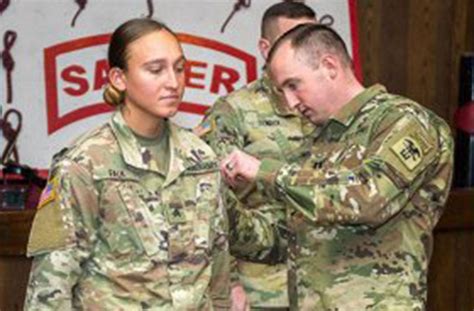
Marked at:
<point>48,194</point>
<point>408,150</point>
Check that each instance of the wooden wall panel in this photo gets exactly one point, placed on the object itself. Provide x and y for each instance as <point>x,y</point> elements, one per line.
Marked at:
<point>369,36</point>
<point>413,48</point>
<point>469,40</point>
<point>451,277</point>
<point>394,44</point>
<point>423,57</point>
<point>14,273</point>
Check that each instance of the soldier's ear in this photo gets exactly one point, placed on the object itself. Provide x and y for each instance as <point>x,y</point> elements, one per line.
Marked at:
<point>117,78</point>
<point>264,47</point>
<point>331,65</point>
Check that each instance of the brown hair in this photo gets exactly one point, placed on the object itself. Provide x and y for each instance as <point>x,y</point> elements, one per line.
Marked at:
<point>313,40</point>
<point>121,38</point>
<point>292,10</point>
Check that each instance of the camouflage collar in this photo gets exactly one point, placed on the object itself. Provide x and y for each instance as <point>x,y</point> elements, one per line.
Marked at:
<point>187,153</point>
<point>127,141</point>
<point>183,155</point>
<point>343,119</point>
<point>349,111</point>
<point>179,153</point>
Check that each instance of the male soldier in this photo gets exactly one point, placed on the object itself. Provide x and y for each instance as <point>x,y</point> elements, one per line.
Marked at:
<point>366,196</point>
<point>254,119</point>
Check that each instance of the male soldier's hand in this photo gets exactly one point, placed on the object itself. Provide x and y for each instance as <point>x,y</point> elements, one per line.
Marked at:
<point>239,168</point>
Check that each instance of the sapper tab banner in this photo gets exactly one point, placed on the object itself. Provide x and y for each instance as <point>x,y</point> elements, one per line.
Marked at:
<point>60,59</point>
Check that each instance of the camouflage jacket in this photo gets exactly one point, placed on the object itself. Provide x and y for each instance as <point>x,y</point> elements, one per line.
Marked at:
<point>364,201</point>
<point>254,119</point>
<point>106,237</point>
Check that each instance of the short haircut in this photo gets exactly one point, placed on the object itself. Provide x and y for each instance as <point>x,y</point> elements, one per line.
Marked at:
<point>313,40</point>
<point>286,9</point>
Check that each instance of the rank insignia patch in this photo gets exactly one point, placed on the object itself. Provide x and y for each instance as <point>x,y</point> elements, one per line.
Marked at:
<point>408,150</point>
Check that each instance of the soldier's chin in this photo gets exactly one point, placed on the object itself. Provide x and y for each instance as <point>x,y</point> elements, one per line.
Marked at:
<point>173,112</point>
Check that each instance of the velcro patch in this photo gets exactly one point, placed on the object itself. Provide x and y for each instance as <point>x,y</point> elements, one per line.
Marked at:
<point>49,230</point>
<point>408,151</point>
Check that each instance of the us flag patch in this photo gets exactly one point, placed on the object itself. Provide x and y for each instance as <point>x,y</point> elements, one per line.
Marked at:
<point>48,194</point>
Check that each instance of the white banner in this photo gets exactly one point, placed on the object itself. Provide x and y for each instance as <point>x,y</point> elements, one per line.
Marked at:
<point>59,56</point>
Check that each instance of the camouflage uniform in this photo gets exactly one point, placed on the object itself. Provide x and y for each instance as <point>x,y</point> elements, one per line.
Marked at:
<point>365,198</point>
<point>255,120</point>
<point>107,236</point>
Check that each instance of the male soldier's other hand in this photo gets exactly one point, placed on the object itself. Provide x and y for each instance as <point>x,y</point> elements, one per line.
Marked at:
<point>239,168</point>
<point>239,299</point>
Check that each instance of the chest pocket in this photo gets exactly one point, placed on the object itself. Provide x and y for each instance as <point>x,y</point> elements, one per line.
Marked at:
<point>205,222</point>
<point>149,229</point>
<point>178,209</point>
<point>188,208</point>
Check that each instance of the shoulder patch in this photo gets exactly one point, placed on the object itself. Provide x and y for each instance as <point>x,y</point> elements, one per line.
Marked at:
<point>49,193</point>
<point>409,150</point>
<point>412,148</point>
<point>49,230</point>
<point>204,128</point>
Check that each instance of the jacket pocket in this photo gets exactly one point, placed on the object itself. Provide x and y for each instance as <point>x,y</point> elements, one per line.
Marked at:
<point>146,227</point>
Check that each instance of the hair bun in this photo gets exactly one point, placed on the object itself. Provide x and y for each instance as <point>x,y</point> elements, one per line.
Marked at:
<point>112,96</point>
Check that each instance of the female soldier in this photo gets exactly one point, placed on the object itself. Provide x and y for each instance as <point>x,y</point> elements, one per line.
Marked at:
<point>130,218</point>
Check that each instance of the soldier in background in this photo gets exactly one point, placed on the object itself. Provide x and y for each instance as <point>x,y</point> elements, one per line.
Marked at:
<point>369,190</point>
<point>131,218</point>
<point>254,119</point>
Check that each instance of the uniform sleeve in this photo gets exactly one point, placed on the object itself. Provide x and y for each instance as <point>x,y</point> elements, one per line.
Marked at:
<point>222,129</point>
<point>402,156</point>
<point>222,263</point>
<point>251,231</point>
<point>61,237</point>
<point>254,233</point>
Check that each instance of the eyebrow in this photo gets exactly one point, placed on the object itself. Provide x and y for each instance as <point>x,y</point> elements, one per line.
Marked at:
<point>159,61</point>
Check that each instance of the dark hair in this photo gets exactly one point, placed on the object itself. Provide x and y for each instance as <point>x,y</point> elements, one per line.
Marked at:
<point>127,33</point>
<point>117,53</point>
<point>313,39</point>
<point>286,9</point>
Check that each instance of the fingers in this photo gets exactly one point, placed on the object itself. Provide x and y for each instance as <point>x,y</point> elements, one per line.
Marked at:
<point>238,168</point>
<point>229,169</point>
<point>239,299</point>
<point>226,168</point>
